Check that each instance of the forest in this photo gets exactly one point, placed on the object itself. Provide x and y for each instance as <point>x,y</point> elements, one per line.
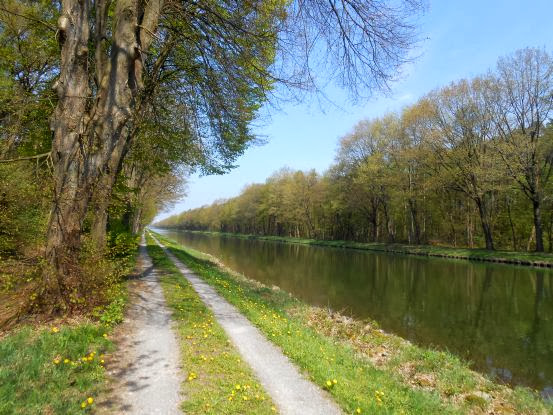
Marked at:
<point>469,164</point>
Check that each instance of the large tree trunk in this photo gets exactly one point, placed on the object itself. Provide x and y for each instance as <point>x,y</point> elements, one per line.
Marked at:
<point>90,136</point>
<point>415,221</point>
<point>71,187</point>
<point>104,191</point>
<point>486,228</point>
<point>537,224</point>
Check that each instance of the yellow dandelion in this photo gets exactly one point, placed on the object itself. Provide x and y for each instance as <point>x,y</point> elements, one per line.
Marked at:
<point>83,405</point>
<point>66,360</point>
<point>238,387</point>
<point>358,411</point>
<point>56,361</point>
<point>334,381</point>
<point>55,330</point>
<point>90,400</point>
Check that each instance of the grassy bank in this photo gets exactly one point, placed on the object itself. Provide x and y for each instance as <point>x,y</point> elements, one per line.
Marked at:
<point>365,369</point>
<point>508,257</point>
<point>217,380</point>
<point>56,366</point>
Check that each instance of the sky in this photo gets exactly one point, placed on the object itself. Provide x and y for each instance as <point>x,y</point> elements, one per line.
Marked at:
<point>461,39</point>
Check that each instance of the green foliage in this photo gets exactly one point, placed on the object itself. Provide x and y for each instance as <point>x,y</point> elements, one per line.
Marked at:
<point>113,313</point>
<point>35,376</point>
<point>442,172</point>
<point>23,204</point>
<point>122,244</point>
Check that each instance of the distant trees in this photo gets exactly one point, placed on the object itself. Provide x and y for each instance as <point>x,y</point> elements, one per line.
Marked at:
<point>468,164</point>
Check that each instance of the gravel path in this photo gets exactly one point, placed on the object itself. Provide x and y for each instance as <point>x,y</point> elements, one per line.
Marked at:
<point>146,370</point>
<point>289,389</point>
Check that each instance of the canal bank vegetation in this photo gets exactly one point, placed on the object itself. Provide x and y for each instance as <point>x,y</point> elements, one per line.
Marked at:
<point>468,165</point>
<point>217,380</point>
<point>360,365</point>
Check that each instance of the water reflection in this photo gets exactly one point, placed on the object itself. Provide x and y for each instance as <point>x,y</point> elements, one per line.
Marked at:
<point>497,316</point>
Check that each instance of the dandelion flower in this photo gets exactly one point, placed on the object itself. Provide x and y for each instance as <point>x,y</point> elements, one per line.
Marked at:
<point>328,383</point>
<point>83,405</point>
<point>334,381</point>
<point>358,411</point>
<point>90,400</point>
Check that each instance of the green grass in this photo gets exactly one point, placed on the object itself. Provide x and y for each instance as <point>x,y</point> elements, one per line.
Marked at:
<point>217,380</point>
<point>55,369</point>
<point>374,371</point>
<point>44,371</point>
<point>475,254</point>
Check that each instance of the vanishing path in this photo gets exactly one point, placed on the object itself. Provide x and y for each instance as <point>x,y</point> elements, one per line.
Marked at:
<point>147,363</point>
<point>290,390</point>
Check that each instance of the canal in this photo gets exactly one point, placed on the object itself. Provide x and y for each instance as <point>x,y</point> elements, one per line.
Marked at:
<point>498,317</point>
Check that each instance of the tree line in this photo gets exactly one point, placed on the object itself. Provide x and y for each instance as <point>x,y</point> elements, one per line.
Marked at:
<point>468,164</point>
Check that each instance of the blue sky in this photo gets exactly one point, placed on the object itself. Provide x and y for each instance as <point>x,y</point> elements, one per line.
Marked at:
<point>464,38</point>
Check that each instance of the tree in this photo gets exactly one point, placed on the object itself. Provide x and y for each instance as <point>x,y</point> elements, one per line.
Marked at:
<point>410,157</point>
<point>463,144</point>
<point>522,104</point>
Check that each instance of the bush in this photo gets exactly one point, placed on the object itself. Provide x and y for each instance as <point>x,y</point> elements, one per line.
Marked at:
<point>122,245</point>
<point>23,208</point>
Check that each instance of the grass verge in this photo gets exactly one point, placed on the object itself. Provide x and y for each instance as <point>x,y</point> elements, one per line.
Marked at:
<point>58,368</point>
<point>52,370</point>
<point>365,369</point>
<point>217,380</point>
<point>474,254</point>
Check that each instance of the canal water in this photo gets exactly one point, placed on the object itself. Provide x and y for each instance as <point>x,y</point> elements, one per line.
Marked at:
<point>499,317</point>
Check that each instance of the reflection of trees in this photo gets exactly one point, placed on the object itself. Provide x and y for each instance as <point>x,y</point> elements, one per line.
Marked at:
<point>479,314</point>
<point>414,274</point>
<point>535,328</point>
<point>497,311</point>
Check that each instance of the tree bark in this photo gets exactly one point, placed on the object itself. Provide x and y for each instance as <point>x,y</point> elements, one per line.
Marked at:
<point>537,224</point>
<point>90,136</point>
<point>414,221</point>
<point>486,228</point>
<point>71,187</point>
<point>513,233</point>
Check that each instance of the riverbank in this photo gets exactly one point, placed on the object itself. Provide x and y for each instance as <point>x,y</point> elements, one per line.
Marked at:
<point>362,367</point>
<point>534,259</point>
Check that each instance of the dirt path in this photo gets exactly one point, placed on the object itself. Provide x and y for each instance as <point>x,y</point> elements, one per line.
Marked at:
<point>289,389</point>
<point>146,368</point>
